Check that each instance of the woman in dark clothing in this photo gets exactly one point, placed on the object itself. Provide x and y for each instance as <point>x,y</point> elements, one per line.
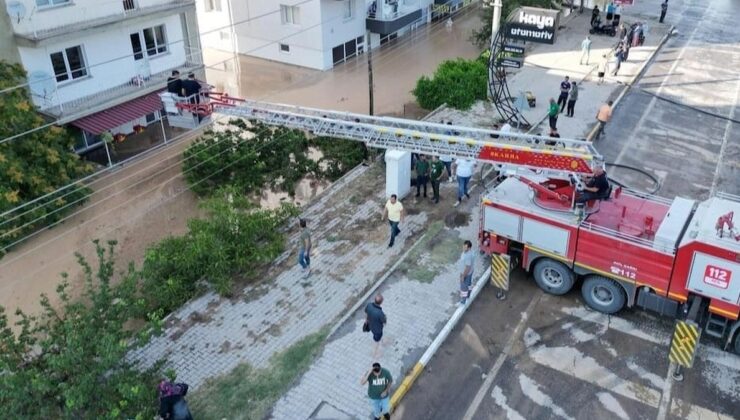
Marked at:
<point>172,404</point>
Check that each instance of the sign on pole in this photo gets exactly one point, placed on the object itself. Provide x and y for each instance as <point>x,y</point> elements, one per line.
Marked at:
<point>684,342</point>
<point>515,49</point>
<point>513,62</point>
<point>534,25</point>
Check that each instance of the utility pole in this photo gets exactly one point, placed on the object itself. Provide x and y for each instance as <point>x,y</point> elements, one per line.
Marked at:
<point>495,24</point>
<point>370,71</point>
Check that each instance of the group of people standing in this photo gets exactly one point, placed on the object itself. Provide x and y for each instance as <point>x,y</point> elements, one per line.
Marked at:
<point>566,103</point>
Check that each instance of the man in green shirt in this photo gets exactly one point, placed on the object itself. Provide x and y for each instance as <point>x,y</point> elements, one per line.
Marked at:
<point>379,382</point>
<point>436,174</point>
<point>552,113</point>
<point>422,174</point>
<point>304,248</point>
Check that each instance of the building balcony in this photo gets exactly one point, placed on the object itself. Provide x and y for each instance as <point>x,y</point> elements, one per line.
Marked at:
<point>387,18</point>
<point>137,86</point>
<point>73,18</point>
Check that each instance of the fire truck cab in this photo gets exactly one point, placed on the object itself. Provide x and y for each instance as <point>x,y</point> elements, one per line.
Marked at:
<point>627,249</point>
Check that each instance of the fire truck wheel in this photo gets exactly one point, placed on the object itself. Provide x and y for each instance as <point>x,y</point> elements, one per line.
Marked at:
<point>736,347</point>
<point>553,277</point>
<point>603,295</point>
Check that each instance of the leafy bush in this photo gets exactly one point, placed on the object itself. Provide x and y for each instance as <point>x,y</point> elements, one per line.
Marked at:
<point>69,363</point>
<point>234,239</point>
<point>458,83</point>
<point>34,165</point>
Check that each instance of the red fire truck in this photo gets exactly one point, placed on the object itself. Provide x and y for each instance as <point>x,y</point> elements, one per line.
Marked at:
<point>626,249</point>
<point>677,257</point>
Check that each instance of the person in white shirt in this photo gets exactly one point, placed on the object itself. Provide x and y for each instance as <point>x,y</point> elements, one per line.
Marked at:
<point>464,173</point>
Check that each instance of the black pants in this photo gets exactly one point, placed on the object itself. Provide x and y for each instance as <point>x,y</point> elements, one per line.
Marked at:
<point>571,107</point>
<point>553,121</point>
<point>562,100</point>
<point>435,190</point>
<point>662,16</point>
<point>421,180</point>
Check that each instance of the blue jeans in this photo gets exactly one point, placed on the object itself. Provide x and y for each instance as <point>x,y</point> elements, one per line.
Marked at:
<point>304,259</point>
<point>448,166</point>
<point>381,406</point>
<point>394,231</point>
<point>462,186</point>
<point>465,287</point>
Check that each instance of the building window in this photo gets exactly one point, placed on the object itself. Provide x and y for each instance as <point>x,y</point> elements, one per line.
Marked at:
<point>290,15</point>
<point>68,64</point>
<point>49,3</point>
<point>154,42</point>
<point>349,8</point>
<point>224,35</point>
<point>284,48</point>
<point>213,5</point>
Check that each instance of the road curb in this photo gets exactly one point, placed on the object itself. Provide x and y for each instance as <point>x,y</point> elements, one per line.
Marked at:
<point>418,368</point>
<point>628,85</point>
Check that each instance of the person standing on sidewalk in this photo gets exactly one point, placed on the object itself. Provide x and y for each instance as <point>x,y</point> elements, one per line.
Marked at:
<point>603,117</point>
<point>572,98</point>
<point>586,49</point>
<point>601,69</point>
<point>594,15</point>
<point>464,172</point>
<point>393,210</point>
<point>379,381</point>
<point>564,89</point>
<point>304,251</point>
<point>375,319</point>
<point>435,174</point>
<point>465,265</point>
<point>663,10</point>
<point>422,175</point>
<point>552,114</point>
<point>619,56</point>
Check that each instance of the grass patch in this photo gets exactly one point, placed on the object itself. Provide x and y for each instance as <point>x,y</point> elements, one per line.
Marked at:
<point>416,266</point>
<point>249,393</point>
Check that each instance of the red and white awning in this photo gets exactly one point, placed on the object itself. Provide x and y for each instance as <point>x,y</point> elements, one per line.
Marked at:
<point>103,121</point>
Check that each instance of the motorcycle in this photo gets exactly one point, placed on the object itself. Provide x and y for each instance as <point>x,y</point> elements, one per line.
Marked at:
<point>599,29</point>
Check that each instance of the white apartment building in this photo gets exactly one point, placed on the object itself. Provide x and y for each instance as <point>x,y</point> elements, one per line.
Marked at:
<point>311,33</point>
<point>98,65</point>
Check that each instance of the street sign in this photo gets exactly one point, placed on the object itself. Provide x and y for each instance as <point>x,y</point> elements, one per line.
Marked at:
<point>533,24</point>
<point>683,345</point>
<point>512,62</point>
<point>500,271</point>
<point>513,49</point>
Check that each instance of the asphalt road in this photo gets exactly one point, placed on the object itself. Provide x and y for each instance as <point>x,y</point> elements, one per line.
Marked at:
<point>680,121</point>
<point>537,356</point>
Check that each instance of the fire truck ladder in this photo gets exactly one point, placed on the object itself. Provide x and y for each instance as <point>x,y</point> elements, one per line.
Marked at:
<point>567,156</point>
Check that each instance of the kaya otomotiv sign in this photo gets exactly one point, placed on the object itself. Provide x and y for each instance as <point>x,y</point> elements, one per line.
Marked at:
<point>534,25</point>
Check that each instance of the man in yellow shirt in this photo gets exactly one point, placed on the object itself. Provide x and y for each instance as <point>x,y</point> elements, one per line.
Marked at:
<point>393,210</point>
<point>603,117</point>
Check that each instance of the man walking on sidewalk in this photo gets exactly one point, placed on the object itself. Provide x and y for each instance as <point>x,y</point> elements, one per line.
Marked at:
<point>304,251</point>
<point>379,382</point>
<point>572,99</point>
<point>422,174</point>
<point>601,69</point>
<point>603,117</point>
<point>465,266</point>
<point>663,10</point>
<point>552,114</point>
<point>435,175</point>
<point>375,319</point>
<point>393,210</point>
<point>564,89</point>
<point>586,49</point>
<point>464,170</point>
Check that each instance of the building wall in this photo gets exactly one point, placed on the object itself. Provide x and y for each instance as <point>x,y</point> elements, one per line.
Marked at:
<point>108,57</point>
<point>338,30</point>
<point>8,49</point>
<point>215,26</point>
<point>44,18</point>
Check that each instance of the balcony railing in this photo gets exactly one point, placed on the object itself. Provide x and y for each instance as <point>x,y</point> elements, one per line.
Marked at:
<point>135,87</point>
<point>86,17</point>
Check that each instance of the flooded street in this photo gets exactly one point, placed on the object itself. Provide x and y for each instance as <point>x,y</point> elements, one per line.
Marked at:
<point>396,67</point>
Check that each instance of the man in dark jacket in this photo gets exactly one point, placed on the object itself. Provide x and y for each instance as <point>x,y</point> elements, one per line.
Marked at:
<point>174,84</point>
<point>191,87</point>
<point>376,321</point>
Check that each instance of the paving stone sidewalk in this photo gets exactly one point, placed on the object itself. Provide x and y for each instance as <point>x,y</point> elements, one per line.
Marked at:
<point>211,335</point>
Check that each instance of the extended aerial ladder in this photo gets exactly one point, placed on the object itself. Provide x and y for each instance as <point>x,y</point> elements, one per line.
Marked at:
<point>553,158</point>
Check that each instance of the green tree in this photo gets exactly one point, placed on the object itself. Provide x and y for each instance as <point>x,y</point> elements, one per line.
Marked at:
<point>458,83</point>
<point>69,363</point>
<point>482,37</point>
<point>33,165</point>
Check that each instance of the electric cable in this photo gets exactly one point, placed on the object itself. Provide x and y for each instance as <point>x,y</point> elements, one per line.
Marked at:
<point>652,177</point>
